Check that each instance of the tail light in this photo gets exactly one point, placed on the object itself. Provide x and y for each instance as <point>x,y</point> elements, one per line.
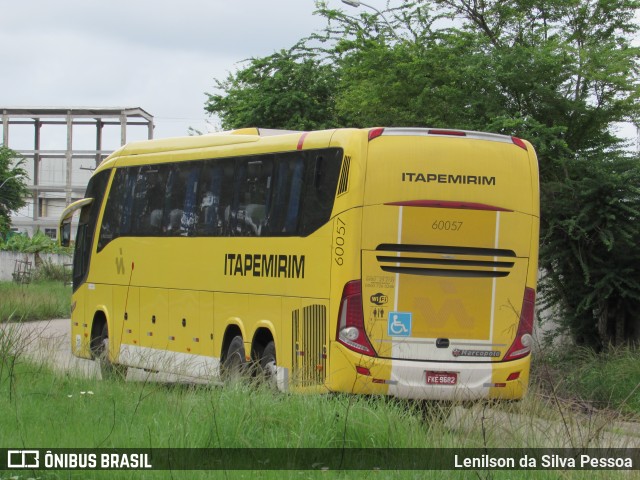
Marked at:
<point>351,332</point>
<point>454,133</point>
<point>519,142</point>
<point>375,133</point>
<point>521,346</point>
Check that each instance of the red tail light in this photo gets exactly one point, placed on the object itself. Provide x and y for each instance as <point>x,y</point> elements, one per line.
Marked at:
<point>351,332</point>
<point>375,133</point>
<point>519,143</point>
<point>521,346</point>
<point>449,204</point>
<point>454,133</point>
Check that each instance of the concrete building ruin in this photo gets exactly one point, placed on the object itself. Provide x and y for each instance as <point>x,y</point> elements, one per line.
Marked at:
<point>62,146</point>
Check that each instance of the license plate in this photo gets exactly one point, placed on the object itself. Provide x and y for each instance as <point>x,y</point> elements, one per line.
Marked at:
<point>441,378</point>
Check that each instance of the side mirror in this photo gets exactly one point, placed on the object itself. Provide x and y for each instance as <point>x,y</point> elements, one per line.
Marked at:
<point>65,234</point>
<point>64,225</point>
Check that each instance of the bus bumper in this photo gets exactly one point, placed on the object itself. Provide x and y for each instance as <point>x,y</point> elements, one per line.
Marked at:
<point>351,372</point>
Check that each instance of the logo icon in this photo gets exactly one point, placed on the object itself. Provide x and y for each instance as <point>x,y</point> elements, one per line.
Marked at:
<point>23,459</point>
<point>379,299</point>
<point>456,352</point>
<point>399,324</point>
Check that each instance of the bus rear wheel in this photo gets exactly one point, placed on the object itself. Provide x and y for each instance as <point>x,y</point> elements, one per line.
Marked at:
<point>108,369</point>
<point>234,364</point>
<point>268,366</point>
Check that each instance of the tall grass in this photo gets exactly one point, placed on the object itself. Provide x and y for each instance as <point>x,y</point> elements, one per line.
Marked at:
<point>48,270</point>
<point>604,380</point>
<point>44,410</point>
<point>40,300</point>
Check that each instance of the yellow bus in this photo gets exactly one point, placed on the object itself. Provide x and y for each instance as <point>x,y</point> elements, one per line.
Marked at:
<point>393,261</point>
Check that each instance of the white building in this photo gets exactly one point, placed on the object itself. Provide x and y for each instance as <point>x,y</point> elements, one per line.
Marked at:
<point>62,146</point>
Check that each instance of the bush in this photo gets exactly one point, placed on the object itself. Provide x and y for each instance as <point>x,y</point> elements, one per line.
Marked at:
<point>34,301</point>
<point>39,243</point>
<point>49,271</point>
<point>608,379</point>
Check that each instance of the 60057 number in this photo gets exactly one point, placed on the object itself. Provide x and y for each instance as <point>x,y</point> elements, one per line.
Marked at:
<point>338,249</point>
<point>446,225</point>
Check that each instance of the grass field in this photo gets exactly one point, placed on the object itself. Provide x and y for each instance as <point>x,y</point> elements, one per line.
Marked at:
<point>40,300</point>
<point>43,409</point>
<point>598,380</point>
<point>577,399</point>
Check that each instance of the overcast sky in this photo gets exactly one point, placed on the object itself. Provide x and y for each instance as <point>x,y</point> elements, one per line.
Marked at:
<point>159,55</point>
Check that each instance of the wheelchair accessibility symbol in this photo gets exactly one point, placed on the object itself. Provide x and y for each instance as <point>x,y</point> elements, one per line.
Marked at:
<point>399,324</point>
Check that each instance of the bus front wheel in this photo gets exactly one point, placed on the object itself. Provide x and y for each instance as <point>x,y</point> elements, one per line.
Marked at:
<point>108,370</point>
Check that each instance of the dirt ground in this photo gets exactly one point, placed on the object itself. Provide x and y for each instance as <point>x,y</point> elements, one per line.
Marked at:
<point>49,342</point>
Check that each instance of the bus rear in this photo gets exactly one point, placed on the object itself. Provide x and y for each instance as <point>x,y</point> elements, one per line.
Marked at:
<point>449,249</point>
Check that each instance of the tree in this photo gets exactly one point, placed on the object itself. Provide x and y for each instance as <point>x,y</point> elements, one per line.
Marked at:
<point>13,188</point>
<point>560,73</point>
<point>286,90</point>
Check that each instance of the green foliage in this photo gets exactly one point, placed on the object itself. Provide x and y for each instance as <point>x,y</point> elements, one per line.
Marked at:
<point>285,90</point>
<point>558,73</point>
<point>39,243</point>
<point>41,300</point>
<point>13,186</point>
<point>71,411</point>
<point>590,248</point>
<point>49,271</point>
<point>606,380</point>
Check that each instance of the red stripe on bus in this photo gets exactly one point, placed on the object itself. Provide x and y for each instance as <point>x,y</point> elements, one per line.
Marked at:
<point>449,204</point>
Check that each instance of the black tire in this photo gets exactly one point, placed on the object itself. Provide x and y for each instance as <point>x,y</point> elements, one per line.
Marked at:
<point>108,370</point>
<point>234,364</point>
<point>268,365</point>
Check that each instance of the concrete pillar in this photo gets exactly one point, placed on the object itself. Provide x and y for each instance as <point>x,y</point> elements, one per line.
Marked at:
<point>37,125</point>
<point>123,128</point>
<point>99,125</point>
<point>69,157</point>
<point>5,129</point>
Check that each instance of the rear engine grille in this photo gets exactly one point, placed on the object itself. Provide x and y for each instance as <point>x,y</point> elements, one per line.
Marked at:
<point>310,348</point>
<point>446,261</point>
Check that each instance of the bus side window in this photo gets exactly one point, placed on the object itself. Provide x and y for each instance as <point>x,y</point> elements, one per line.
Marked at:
<point>181,179</point>
<point>208,200</point>
<point>189,213</point>
<point>87,226</point>
<point>284,207</point>
<point>140,200</point>
<point>148,201</point>
<point>234,215</point>
<point>321,181</point>
<point>157,180</point>
<point>260,173</point>
<point>226,196</point>
<point>246,216</point>
<point>114,210</point>
<point>293,206</point>
<point>124,226</point>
